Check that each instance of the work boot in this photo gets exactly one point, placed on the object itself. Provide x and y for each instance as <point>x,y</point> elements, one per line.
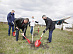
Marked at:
<point>8,34</point>
<point>48,39</point>
<point>48,42</point>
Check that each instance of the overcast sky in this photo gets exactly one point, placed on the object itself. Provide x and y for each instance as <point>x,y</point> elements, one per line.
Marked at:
<point>55,9</point>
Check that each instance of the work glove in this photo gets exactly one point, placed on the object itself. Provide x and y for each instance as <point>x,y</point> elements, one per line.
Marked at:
<point>44,31</point>
<point>12,22</point>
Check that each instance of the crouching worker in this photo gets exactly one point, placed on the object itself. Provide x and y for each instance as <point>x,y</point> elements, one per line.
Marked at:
<point>21,23</point>
<point>49,25</point>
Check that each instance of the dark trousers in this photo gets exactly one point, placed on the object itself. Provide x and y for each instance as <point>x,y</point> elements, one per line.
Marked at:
<point>31,30</point>
<point>17,35</point>
<point>50,36</point>
<point>10,29</point>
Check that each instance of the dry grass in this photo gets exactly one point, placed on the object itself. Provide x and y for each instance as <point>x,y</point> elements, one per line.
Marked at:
<point>62,42</point>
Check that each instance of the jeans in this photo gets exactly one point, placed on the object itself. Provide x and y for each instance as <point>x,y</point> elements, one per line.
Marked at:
<point>10,29</point>
<point>31,30</point>
<point>17,34</point>
<point>50,36</point>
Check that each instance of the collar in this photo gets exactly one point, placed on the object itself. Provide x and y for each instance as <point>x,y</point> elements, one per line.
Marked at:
<point>11,13</point>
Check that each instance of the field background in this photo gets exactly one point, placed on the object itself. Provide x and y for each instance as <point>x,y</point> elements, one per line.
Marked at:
<point>62,42</point>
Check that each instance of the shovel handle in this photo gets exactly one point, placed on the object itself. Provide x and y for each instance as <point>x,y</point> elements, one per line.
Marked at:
<point>41,36</point>
<point>32,37</point>
<point>25,37</point>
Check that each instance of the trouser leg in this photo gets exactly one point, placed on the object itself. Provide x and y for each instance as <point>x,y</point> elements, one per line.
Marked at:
<point>12,29</point>
<point>9,30</point>
<point>24,33</point>
<point>17,35</point>
<point>31,31</point>
<point>50,36</point>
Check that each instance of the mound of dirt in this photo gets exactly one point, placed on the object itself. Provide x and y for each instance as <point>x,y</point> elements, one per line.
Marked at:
<point>32,46</point>
<point>35,34</point>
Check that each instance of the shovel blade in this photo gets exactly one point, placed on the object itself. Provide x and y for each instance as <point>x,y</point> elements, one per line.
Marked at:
<point>14,34</point>
<point>37,43</point>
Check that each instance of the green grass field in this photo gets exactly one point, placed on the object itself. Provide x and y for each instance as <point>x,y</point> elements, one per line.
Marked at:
<point>62,42</point>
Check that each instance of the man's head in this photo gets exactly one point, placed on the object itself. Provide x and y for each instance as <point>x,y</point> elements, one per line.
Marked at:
<point>12,11</point>
<point>33,17</point>
<point>44,17</point>
<point>26,20</point>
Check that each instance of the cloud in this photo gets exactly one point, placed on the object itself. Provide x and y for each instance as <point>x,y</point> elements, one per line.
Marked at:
<point>55,9</point>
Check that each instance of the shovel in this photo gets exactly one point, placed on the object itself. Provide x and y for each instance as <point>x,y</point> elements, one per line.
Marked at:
<point>26,38</point>
<point>22,35</point>
<point>38,42</point>
<point>14,33</point>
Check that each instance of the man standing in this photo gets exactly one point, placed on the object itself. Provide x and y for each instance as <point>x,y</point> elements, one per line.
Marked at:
<point>32,24</point>
<point>21,23</point>
<point>10,19</point>
<point>49,25</point>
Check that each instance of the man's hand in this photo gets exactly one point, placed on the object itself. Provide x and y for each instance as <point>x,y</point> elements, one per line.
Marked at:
<point>17,28</point>
<point>22,34</point>
<point>44,31</point>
